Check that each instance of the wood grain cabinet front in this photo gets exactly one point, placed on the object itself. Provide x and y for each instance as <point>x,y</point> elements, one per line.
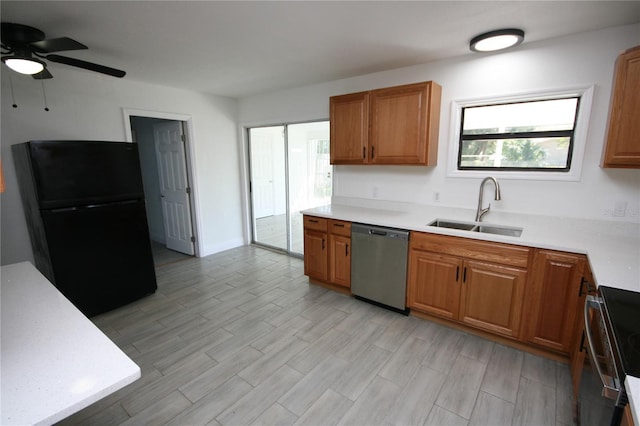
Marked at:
<point>327,250</point>
<point>553,294</point>
<point>315,247</point>
<point>477,283</point>
<point>622,146</point>
<point>394,125</point>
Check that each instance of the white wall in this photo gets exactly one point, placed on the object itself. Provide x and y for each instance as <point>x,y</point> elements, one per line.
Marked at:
<point>87,105</point>
<point>578,60</point>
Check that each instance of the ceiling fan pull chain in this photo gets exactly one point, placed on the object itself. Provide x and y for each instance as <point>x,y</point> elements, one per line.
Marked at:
<point>13,96</point>
<point>44,95</point>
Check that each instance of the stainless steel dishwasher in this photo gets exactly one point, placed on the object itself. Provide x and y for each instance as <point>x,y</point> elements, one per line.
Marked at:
<point>379,265</point>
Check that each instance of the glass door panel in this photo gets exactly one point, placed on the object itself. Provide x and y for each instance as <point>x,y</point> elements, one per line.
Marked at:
<point>268,192</point>
<point>290,172</point>
<point>310,174</point>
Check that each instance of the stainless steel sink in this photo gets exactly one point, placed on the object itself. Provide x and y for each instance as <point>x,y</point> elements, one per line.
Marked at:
<point>501,230</point>
<point>444,223</point>
<point>477,227</point>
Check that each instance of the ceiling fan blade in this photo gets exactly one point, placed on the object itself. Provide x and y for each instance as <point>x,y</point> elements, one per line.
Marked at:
<point>86,65</point>
<point>42,75</point>
<point>57,45</point>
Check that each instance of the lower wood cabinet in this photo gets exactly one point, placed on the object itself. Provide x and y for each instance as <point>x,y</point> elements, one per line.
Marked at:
<point>492,297</point>
<point>327,250</point>
<point>475,282</point>
<point>315,248</point>
<point>433,283</point>
<point>553,298</point>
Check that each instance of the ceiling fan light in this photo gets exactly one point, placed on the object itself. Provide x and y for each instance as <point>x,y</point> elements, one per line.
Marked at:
<point>27,66</point>
<point>496,40</point>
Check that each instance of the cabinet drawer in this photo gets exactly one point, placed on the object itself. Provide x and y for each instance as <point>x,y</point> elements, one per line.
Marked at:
<point>340,227</point>
<point>504,254</point>
<point>316,223</point>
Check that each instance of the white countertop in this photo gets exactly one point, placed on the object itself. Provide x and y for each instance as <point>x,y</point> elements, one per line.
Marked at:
<point>54,360</point>
<point>613,248</point>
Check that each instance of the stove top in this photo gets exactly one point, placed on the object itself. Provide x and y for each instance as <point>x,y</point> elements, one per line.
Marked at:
<point>623,312</point>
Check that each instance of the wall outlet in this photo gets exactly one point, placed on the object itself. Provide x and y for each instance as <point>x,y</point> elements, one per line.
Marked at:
<point>436,197</point>
<point>619,208</point>
<point>375,192</point>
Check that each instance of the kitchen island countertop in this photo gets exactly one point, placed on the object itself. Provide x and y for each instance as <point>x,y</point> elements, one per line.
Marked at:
<point>55,361</point>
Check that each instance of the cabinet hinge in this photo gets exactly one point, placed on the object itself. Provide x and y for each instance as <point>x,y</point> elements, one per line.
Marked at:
<point>193,239</point>
<point>183,138</point>
<point>188,190</point>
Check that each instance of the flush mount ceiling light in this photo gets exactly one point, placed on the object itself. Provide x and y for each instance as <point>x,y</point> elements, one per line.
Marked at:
<point>27,66</point>
<point>496,40</point>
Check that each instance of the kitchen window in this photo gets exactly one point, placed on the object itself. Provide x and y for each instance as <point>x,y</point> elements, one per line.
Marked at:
<point>540,136</point>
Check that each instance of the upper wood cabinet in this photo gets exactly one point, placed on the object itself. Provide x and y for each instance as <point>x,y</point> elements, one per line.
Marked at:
<point>349,127</point>
<point>394,125</point>
<point>622,146</point>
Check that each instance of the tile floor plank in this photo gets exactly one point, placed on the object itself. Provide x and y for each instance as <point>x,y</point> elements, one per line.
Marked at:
<point>503,373</point>
<point>461,388</point>
<point>491,410</point>
<point>327,410</point>
<point>372,406</point>
<point>212,403</point>
<point>259,399</point>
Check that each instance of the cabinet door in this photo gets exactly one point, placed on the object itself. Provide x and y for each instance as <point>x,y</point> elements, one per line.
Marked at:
<point>492,297</point>
<point>315,254</point>
<point>555,286</point>
<point>434,283</point>
<point>349,117</point>
<point>340,260</point>
<point>403,121</point>
<point>622,147</point>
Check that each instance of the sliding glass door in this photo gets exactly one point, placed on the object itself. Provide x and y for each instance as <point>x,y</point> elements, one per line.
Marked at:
<point>289,172</point>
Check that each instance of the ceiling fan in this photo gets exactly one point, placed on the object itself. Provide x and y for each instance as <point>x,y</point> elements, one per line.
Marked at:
<point>25,48</point>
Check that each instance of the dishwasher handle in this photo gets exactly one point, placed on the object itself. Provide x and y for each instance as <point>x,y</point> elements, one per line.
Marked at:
<point>377,232</point>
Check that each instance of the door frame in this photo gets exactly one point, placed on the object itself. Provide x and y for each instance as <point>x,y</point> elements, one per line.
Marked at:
<point>187,126</point>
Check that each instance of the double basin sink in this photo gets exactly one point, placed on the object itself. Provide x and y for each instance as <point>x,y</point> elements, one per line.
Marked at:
<point>477,227</point>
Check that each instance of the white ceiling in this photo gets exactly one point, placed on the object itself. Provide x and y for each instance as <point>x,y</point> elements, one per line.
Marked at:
<point>240,48</point>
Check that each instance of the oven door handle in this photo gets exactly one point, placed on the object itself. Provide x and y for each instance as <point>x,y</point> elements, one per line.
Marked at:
<point>611,387</point>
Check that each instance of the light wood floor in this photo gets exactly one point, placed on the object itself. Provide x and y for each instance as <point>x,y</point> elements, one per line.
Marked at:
<point>242,338</point>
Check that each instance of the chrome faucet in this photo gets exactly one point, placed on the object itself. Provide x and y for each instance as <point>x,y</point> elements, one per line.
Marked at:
<point>480,212</point>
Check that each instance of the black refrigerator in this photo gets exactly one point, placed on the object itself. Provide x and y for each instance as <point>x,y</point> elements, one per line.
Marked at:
<point>85,210</point>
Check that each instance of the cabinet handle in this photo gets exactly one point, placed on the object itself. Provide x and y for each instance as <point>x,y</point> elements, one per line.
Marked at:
<point>582,348</point>
<point>457,273</point>
<point>312,220</point>
<point>364,152</point>
<point>464,275</point>
<point>323,244</point>
<point>582,281</point>
<point>346,249</point>
<point>339,225</point>
<point>372,152</point>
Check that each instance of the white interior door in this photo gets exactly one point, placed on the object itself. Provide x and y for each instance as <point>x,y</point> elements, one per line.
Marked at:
<point>174,188</point>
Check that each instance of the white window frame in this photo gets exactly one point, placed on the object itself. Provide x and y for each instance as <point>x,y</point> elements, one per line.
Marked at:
<point>579,142</point>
